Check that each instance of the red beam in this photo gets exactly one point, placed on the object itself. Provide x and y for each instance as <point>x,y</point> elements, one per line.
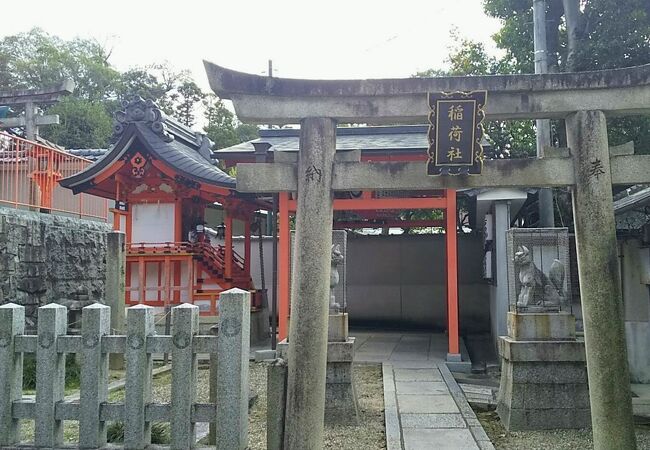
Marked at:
<point>228,245</point>
<point>361,204</point>
<point>394,223</point>
<point>283,266</point>
<point>452,274</point>
<point>247,246</point>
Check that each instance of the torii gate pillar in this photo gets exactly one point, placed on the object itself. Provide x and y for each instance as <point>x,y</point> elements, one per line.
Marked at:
<point>602,306</point>
<point>310,286</point>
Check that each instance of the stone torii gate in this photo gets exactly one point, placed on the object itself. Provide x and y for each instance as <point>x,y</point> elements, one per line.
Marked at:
<point>29,98</point>
<point>584,100</point>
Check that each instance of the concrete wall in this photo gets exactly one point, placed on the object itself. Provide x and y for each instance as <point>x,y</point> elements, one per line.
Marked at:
<point>635,276</point>
<point>399,281</point>
<point>44,258</point>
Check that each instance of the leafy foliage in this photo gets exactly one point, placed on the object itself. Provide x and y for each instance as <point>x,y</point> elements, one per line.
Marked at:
<point>36,59</point>
<point>223,128</point>
<point>509,139</point>
<point>609,34</point>
<point>82,124</point>
<point>160,433</point>
<point>72,371</point>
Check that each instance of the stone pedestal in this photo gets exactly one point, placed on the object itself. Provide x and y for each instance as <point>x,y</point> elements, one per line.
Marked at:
<point>341,406</point>
<point>541,326</point>
<point>543,374</point>
<point>338,327</point>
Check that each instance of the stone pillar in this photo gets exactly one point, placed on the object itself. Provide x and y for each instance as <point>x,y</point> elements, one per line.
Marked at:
<point>276,399</point>
<point>95,324</point>
<point>12,324</point>
<point>499,310</point>
<point>31,130</point>
<point>139,366</point>
<point>602,309</point>
<point>50,375</point>
<point>185,320</point>
<point>232,373</point>
<point>214,364</point>
<point>310,288</point>
<point>115,289</point>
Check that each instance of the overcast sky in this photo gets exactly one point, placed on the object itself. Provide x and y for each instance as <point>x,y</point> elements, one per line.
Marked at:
<point>305,39</point>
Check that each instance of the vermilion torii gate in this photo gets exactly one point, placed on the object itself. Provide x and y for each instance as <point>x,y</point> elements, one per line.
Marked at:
<point>582,99</point>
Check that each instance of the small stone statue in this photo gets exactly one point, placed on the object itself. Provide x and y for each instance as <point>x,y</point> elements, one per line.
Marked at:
<point>337,258</point>
<point>537,289</point>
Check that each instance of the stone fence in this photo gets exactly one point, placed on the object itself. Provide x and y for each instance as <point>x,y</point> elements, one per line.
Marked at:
<point>93,345</point>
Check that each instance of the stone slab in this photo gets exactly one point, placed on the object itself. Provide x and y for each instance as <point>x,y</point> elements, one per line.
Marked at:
<point>427,404</point>
<point>421,387</point>
<point>391,415</point>
<point>265,355</point>
<point>402,374</point>
<point>432,420</point>
<point>440,439</point>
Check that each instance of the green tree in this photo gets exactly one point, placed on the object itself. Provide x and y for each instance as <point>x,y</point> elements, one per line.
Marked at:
<point>608,34</point>
<point>35,59</point>
<point>509,139</point>
<point>222,127</point>
<point>83,124</point>
<point>173,91</point>
<point>186,100</point>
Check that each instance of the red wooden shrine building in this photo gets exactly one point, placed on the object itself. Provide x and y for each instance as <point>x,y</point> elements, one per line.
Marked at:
<point>162,177</point>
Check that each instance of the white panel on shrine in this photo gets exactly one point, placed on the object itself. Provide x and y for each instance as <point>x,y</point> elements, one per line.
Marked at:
<point>152,223</point>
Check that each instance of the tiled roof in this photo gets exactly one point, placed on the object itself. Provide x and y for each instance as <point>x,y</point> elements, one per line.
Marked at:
<point>92,154</point>
<point>185,151</point>
<point>404,137</point>
<point>186,160</point>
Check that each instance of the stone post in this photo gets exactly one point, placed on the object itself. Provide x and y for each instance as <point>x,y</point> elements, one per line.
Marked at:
<point>276,399</point>
<point>232,373</point>
<point>50,375</point>
<point>214,364</point>
<point>602,309</point>
<point>185,324</point>
<point>310,288</point>
<point>12,324</point>
<point>31,130</point>
<point>139,365</point>
<point>115,288</point>
<point>95,323</point>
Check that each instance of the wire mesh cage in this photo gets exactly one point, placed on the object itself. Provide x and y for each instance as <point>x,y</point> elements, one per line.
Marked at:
<point>538,270</point>
<point>338,275</point>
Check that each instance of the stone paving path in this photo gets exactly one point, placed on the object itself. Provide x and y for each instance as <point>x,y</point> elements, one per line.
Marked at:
<point>426,409</point>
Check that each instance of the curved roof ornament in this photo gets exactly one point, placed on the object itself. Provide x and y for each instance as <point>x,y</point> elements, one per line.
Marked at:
<point>144,111</point>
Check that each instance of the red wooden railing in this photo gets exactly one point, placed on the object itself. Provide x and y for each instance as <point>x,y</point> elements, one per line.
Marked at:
<point>29,179</point>
<point>200,257</point>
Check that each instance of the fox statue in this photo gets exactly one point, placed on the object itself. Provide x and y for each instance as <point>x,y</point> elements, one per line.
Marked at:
<point>537,289</point>
<point>337,258</point>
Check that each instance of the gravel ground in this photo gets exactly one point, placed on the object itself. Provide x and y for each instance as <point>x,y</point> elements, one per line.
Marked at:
<point>545,440</point>
<point>369,434</point>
